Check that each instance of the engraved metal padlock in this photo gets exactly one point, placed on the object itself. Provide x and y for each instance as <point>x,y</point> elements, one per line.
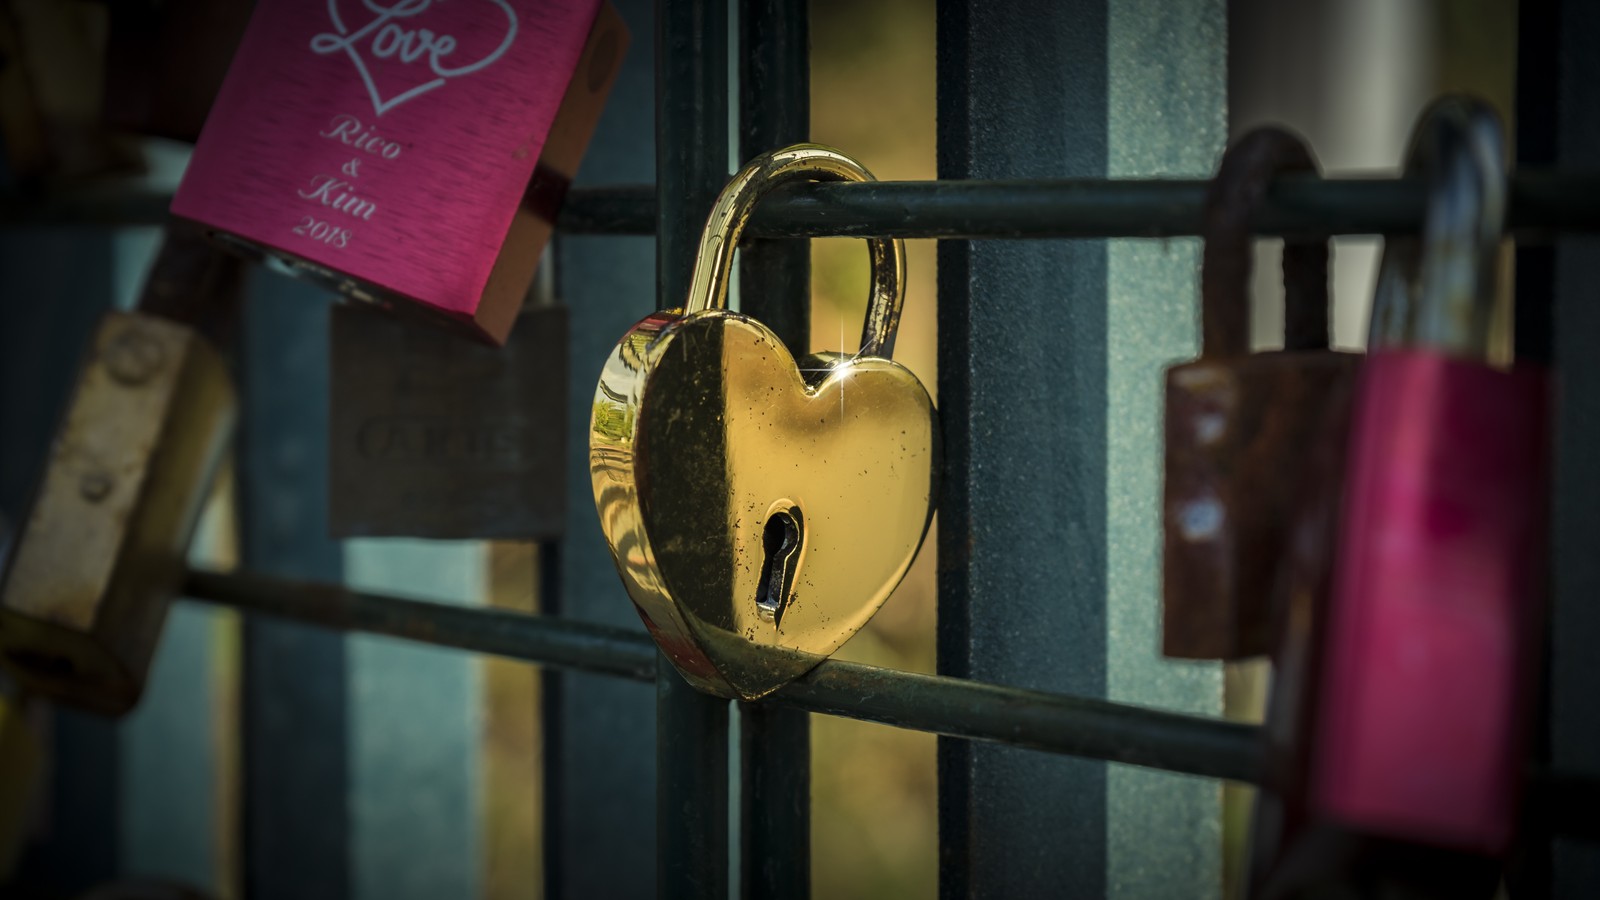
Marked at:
<point>98,560</point>
<point>432,436</point>
<point>1434,625</point>
<point>1238,424</point>
<point>413,153</point>
<point>759,509</point>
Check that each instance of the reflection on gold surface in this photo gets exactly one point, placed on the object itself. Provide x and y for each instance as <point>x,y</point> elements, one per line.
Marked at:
<point>705,429</point>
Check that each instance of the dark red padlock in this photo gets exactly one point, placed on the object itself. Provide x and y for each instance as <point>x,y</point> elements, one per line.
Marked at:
<point>1239,424</point>
<point>1435,613</point>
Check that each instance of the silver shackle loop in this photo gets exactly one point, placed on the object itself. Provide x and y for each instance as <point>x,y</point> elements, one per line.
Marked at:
<point>1437,289</point>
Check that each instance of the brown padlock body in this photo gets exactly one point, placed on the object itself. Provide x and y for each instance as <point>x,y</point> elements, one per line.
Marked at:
<point>1237,430</point>
<point>102,553</point>
<point>435,436</point>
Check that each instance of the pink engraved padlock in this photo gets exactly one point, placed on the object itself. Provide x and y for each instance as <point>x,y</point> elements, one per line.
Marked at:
<point>412,150</point>
<point>1436,610</point>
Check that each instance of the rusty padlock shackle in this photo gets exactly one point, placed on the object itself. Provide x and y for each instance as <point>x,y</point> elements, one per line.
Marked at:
<point>708,289</point>
<point>1439,289</point>
<point>1242,180</point>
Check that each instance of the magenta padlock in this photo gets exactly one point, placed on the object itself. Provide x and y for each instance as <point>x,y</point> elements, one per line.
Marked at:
<point>405,150</point>
<point>1436,610</point>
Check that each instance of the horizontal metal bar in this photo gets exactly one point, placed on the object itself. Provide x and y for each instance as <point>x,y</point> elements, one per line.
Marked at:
<point>103,207</point>
<point>1297,206</point>
<point>564,643</point>
<point>1055,724</point>
<point>1543,203</point>
<point>1075,726</point>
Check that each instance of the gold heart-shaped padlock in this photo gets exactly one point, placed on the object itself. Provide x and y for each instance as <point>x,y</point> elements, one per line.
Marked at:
<point>761,510</point>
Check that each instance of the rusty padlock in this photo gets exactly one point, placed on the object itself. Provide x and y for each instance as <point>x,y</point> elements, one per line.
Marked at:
<point>1238,423</point>
<point>102,550</point>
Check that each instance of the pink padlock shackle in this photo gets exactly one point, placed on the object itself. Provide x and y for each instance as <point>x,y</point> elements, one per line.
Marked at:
<point>1437,289</point>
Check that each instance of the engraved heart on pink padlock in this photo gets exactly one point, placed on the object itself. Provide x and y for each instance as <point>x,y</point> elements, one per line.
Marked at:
<point>407,48</point>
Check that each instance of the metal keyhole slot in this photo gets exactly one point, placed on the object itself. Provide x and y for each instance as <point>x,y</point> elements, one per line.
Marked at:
<point>781,545</point>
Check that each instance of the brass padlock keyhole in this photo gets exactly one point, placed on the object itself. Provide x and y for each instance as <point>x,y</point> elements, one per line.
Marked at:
<point>781,545</point>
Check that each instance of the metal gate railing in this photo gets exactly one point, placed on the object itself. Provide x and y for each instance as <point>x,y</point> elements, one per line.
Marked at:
<point>692,116</point>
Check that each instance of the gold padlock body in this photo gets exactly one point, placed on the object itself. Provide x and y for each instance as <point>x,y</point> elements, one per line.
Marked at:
<point>20,758</point>
<point>703,427</point>
<point>102,552</point>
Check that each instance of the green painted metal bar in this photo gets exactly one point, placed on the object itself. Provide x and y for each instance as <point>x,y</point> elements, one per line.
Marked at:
<point>1022,525</point>
<point>296,794</point>
<point>599,733</point>
<point>1543,203</point>
<point>1572,706</point>
<point>1051,723</point>
<point>562,643</point>
<point>774,806</point>
<point>692,136</point>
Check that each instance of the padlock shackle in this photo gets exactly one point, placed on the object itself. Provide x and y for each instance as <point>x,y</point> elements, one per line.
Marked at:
<point>713,265</point>
<point>1242,180</point>
<point>1438,290</point>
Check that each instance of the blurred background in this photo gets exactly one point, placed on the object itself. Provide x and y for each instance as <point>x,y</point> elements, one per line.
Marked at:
<point>441,753</point>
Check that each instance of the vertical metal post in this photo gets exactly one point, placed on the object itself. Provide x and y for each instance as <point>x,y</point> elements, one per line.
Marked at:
<point>775,111</point>
<point>1537,119</point>
<point>775,288</point>
<point>599,733</point>
<point>1574,679</point>
<point>1049,366</point>
<point>295,706</point>
<point>175,768</point>
<point>691,165</point>
<point>56,286</point>
<point>1021,509</point>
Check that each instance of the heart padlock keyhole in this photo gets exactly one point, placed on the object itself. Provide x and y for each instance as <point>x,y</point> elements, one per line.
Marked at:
<point>780,542</point>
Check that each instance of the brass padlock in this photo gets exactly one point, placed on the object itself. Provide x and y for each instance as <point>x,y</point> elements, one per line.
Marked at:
<point>102,551</point>
<point>20,765</point>
<point>1239,424</point>
<point>759,509</point>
